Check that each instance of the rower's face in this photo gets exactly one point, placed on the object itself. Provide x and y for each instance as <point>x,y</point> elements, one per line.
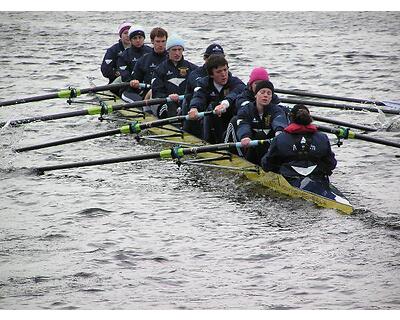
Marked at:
<point>137,41</point>
<point>159,44</point>
<point>175,53</point>
<point>125,37</point>
<point>264,96</point>
<point>220,75</point>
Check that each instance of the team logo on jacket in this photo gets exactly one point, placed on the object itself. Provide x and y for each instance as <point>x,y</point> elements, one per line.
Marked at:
<point>153,65</point>
<point>169,73</point>
<point>177,81</point>
<point>267,121</point>
<point>183,71</point>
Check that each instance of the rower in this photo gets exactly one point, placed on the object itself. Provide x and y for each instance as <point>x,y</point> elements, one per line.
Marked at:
<point>127,60</point>
<point>248,95</point>
<point>217,92</point>
<point>143,71</point>
<point>170,79</point>
<point>109,67</point>
<point>300,151</point>
<point>195,127</point>
<point>260,120</point>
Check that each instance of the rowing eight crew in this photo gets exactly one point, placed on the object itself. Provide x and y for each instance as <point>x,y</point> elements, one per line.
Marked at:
<point>241,112</point>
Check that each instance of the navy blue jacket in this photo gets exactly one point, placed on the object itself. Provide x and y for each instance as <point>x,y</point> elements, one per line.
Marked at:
<point>109,66</point>
<point>248,119</point>
<point>169,78</point>
<point>196,75</point>
<point>285,152</point>
<point>127,60</point>
<point>206,93</point>
<point>145,66</point>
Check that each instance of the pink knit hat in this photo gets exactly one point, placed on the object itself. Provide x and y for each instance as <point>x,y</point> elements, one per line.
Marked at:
<point>258,73</point>
<point>124,26</point>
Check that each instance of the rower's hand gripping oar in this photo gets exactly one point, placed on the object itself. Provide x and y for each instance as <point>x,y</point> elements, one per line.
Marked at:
<point>70,93</point>
<point>131,128</point>
<point>174,153</point>
<point>346,133</point>
<point>101,110</point>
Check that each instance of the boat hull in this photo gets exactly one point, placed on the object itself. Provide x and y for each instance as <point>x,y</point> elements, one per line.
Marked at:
<point>326,196</point>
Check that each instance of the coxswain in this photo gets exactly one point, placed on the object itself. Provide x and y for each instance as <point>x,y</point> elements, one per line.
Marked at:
<point>109,67</point>
<point>217,92</point>
<point>170,78</point>
<point>195,127</point>
<point>260,120</point>
<point>301,150</point>
<point>143,71</point>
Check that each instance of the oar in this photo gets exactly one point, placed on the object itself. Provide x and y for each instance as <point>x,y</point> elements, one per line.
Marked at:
<point>343,123</point>
<point>173,153</point>
<point>330,97</point>
<point>102,109</point>
<point>69,93</point>
<point>345,133</point>
<point>338,106</point>
<point>132,127</point>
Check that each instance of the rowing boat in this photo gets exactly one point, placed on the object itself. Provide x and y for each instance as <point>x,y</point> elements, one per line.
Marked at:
<point>323,195</point>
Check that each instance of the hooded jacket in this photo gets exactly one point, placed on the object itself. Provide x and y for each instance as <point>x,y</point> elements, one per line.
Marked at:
<point>300,147</point>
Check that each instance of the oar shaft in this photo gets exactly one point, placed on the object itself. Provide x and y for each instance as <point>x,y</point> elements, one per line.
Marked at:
<point>164,154</point>
<point>330,97</point>
<point>90,111</point>
<point>29,99</point>
<point>129,128</point>
<point>69,93</point>
<point>46,118</point>
<point>359,136</point>
<point>69,140</point>
<point>154,155</point>
<point>338,106</point>
<point>343,123</point>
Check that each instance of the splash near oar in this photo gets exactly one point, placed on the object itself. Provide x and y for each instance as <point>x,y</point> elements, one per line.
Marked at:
<point>101,110</point>
<point>69,93</point>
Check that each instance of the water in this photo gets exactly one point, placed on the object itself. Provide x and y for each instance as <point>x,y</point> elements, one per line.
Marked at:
<point>148,235</point>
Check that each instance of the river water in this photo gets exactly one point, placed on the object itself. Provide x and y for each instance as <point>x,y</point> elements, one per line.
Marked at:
<point>148,235</point>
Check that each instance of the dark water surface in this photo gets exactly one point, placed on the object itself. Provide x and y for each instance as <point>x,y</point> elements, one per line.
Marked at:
<point>147,235</point>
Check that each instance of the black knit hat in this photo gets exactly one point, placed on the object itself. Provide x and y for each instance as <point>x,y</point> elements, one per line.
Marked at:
<point>264,84</point>
<point>213,49</point>
<point>297,107</point>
